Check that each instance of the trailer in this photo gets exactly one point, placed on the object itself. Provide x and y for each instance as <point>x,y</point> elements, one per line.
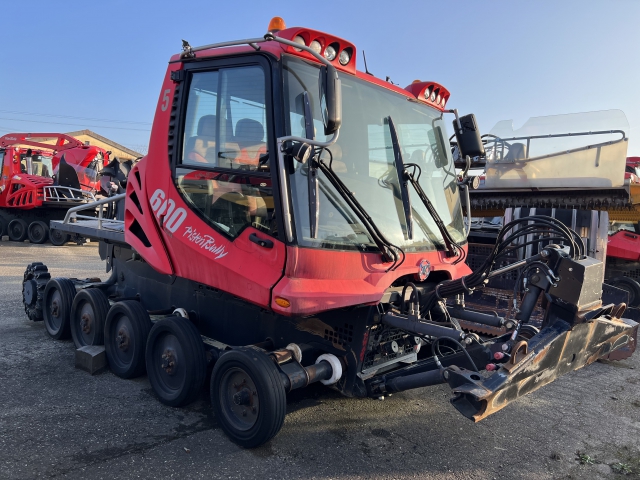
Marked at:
<point>296,221</point>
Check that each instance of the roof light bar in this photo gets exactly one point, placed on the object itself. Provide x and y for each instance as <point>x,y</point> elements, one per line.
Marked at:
<point>431,93</point>
<point>190,52</point>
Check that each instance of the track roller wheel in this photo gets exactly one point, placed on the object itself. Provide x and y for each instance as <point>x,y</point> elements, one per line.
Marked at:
<point>58,238</point>
<point>17,230</point>
<point>38,232</point>
<point>88,316</point>
<point>176,363</point>
<point>248,396</point>
<point>629,285</point>
<point>34,282</point>
<point>58,299</point>
<point>125,338</point>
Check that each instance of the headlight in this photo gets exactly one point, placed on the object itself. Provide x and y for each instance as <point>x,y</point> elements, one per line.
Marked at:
<point>438,99</point>
<point>315,46</point>
<point>427,93</point>
<point>344,57</point>
<point>330,53</point>
<point>300,41</point>
<point>433,96</point>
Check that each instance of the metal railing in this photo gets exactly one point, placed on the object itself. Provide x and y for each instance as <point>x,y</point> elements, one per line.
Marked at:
<point>495,146</point>
<point>71,213</point>
<point>62,194</point>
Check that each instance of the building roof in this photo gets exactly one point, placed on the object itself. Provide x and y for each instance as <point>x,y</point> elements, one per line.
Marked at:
<point>92,134</point>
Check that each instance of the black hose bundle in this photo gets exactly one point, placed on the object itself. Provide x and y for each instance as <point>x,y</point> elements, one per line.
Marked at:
<point>550,228</point>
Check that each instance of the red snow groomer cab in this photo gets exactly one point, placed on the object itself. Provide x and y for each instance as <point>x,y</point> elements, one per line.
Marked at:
<point>40,181</point>
<point>297,220</point>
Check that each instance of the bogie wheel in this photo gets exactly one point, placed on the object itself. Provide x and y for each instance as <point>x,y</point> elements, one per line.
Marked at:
<point>58,238</point>
<point>38,232</point>
<point>17,230</point>
<point>629,285</point>
<point>176,362</point>
<point>248,396</point>
<point>88,316</point>
<point>125,338</point>
<point>58,299</point>
<point>34,282</point>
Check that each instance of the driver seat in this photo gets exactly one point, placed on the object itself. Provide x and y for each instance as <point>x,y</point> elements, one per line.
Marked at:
<point>249,136</point>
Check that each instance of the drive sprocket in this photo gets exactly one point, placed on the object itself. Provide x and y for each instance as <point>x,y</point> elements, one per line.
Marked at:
<point>34,282</point>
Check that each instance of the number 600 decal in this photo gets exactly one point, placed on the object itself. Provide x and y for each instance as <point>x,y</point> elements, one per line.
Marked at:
<point>167,207</point>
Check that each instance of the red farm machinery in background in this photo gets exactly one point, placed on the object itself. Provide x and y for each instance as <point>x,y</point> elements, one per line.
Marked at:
<point>41,176</point>
<point>298,221</point>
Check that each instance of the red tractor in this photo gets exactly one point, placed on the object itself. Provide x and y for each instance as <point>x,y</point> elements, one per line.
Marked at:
<point>40,181</point>
<point>298,221</point>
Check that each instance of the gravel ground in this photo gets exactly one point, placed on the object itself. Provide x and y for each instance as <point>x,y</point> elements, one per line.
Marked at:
<point>56,421</point>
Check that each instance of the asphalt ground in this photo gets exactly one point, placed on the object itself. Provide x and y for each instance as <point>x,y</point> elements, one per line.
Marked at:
<point>56,421</point>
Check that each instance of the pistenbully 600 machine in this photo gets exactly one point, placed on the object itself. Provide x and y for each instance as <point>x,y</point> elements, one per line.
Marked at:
<point>299,221</point>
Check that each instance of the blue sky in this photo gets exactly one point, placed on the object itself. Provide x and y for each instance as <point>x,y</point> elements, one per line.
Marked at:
<point>69,65</point>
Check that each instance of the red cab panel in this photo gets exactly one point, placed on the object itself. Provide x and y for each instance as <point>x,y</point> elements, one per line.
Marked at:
<point>317,280</point>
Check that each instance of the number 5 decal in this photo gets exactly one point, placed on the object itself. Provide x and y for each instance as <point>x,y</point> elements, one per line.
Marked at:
<point>165,100</point>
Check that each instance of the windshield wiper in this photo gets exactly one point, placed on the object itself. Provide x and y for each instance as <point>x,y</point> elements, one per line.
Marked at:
<point>453,248</point>
<point>402,180</point>
<point>388,250</point>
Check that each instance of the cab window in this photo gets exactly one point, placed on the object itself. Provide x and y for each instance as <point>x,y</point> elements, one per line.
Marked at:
<point>226,120</point>
<point>223,169</point>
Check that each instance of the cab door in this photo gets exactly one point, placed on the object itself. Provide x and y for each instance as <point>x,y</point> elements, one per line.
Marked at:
<point>228,236</point>
<point>5,173</point>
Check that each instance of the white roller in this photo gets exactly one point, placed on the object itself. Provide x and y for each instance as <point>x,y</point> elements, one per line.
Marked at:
<point>336,368</point>
<point>181,312</point>
<point>295,351</point>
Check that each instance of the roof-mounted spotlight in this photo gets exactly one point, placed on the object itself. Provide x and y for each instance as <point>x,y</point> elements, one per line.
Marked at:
<point>431,93</point>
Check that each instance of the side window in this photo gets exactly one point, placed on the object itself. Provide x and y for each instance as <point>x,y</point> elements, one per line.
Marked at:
<point>226,129</point>
<point>226,120</point>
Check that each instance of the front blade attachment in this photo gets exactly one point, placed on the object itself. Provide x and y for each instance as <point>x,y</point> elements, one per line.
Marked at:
<point>556,350</point>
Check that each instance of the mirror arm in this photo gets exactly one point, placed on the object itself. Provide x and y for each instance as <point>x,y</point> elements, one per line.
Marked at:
<point>315,143</point>
<point>455,112</point>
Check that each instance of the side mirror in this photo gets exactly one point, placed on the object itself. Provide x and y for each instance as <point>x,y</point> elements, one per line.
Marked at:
<point>330,99</point>
<point>468,136</point>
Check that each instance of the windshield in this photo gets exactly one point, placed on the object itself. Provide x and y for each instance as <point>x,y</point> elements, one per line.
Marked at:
<point>363,158</point>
